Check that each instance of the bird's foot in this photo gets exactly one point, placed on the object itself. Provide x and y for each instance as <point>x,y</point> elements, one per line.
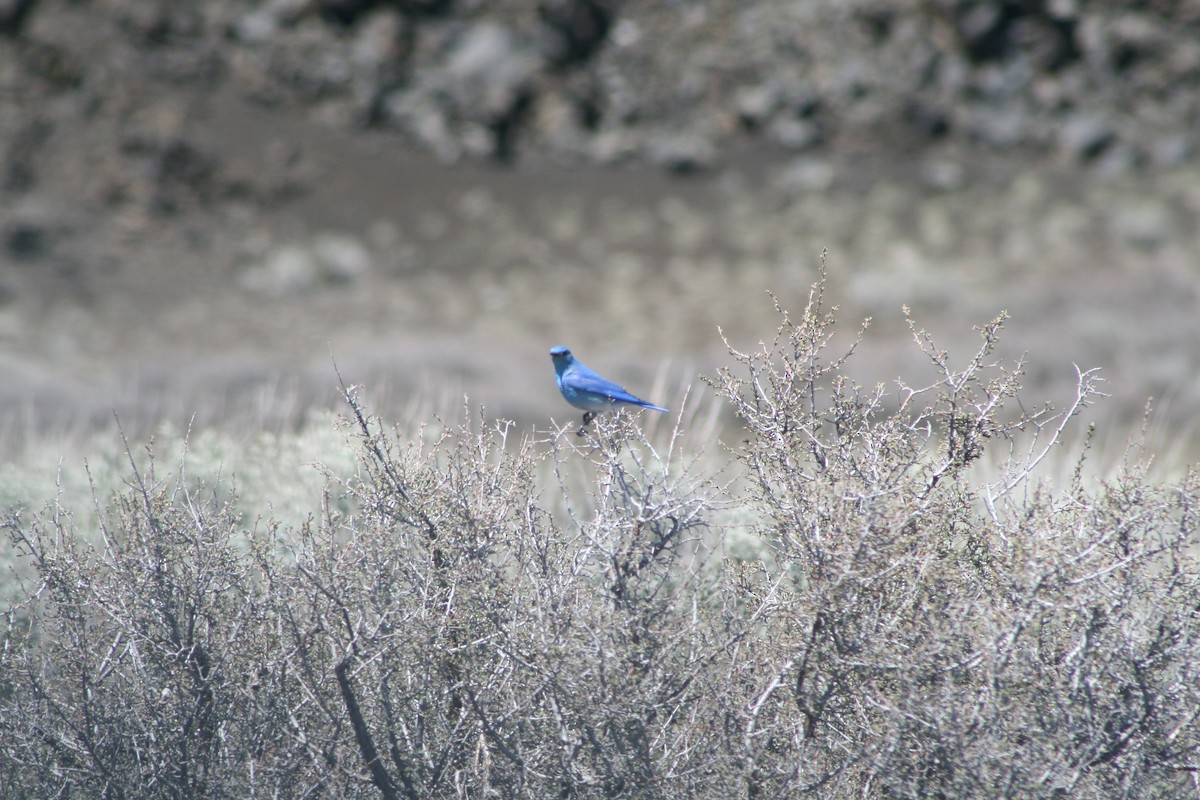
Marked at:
<point>588,416</point>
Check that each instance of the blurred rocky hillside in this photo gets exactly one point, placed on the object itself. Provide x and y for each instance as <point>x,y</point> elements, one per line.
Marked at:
<point>243,177</point>
<point>676,83</point>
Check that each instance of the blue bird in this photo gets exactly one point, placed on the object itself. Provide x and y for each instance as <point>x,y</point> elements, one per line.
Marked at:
<point>583,388</point>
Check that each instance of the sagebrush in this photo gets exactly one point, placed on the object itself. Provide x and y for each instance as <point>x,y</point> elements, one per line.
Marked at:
<point>858,613</point>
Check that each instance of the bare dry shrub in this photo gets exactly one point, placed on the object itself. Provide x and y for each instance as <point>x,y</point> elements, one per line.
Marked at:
<point>460,640</point>
<point>474,614</point>
<point>130,670</point>
<point>938,637</point>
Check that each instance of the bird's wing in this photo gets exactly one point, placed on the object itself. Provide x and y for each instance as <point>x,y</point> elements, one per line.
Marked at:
<point>585,380</point>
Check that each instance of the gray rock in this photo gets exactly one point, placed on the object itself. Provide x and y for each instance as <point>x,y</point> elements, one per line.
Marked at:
<point>943,174</point>
<point>1122,158</point>
<point>1086,136</point>
<point>1146,223</point>
<point>286,270</point>
<point>755,104</point>
<point>1172,150</point>
<point>488,68</point>
<point>807,175</point>
<point>263,23</point>
<point>1001,127</point>
<point>794,134</point>
<point>682,152</point>
<point>342,258</point>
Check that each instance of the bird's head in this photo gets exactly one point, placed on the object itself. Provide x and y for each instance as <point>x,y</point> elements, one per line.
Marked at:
<point>561,357</point>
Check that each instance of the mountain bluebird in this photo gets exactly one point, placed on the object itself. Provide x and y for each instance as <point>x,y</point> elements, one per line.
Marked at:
<point>583,388</point>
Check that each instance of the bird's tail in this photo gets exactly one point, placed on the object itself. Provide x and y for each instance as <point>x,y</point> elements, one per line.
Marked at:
<point>652,407</point>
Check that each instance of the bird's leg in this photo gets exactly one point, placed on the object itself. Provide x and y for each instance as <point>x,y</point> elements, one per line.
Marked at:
<point>588,416</point>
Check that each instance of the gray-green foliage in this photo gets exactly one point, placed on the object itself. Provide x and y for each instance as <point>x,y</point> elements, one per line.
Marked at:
<point>466,615</point>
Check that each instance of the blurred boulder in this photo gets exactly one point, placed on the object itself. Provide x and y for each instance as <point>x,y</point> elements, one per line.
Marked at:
<point>487,70</point>
<point>806,175</point>
<point>342,258</point>
<point>285,270</point>
<point>682,152</point>
<point>1144,222</point>
<point>1086,136</point>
